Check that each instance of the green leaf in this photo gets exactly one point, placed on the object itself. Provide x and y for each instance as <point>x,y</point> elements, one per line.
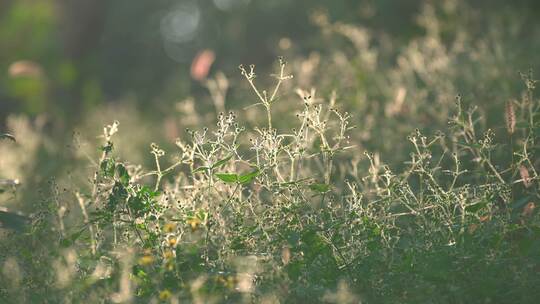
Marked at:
<point>107,167</point>
<point>216,165</point>
<point>123,174</point>
<point>247,178</point>
<point>66,242</point>
<point>228,177</point>
<point>202,215</point>
<point>107,148</point>
<point>147,192</point>
<point>475,207</point>
<point>322,188</point>
<point>221,162</point>
<point>143,201</point>
<point>117,196</point>
<point>201,169</point>
<point>8,136</point>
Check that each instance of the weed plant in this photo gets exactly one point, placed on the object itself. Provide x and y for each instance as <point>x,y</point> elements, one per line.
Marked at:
<point>304,210</point>
<point>266,215</point>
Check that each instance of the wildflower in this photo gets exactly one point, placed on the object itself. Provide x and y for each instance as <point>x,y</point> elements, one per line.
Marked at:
<point>194,222</point>
<point>169,265</point>
<point>169,227</point>
<point>165,295</point>
<point>168,254</point>
<point>146,260</point>
<point>228,281</point>
<point>172,242</point>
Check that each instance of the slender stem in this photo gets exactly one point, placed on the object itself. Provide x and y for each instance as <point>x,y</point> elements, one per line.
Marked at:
<point>158,172</point>
<point>280,79</point>
<point>264,101</point>
<point>87,222</point>
<point>96,174</point>
<point>291,174</point>
<point>139,235</point>
<point>494,171</point>
<point>512,165</point>
<point>209,228</point>
<point>258,221</point>
<point>269,116</point>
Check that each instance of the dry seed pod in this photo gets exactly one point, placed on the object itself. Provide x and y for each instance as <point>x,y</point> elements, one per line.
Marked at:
<point>472,228</point>
<point>201,64</point>
<point>524,173</point>
<point>528,209</point>
<point>285,255</point>
<point>484,218</point>
<point>25,68</point>
<point>510,117</point>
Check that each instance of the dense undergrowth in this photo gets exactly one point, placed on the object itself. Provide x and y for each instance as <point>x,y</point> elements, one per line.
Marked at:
<point>303,208</point>
<point>257,214</point>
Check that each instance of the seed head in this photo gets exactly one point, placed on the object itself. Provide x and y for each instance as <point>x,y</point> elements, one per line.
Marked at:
<point>510,117</point>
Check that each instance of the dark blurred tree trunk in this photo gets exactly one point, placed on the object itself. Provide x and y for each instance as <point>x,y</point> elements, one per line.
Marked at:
<point>6,104</point>
<point>81,23</point>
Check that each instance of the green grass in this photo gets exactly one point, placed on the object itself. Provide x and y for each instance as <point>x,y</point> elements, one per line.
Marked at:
<point>399,191</point>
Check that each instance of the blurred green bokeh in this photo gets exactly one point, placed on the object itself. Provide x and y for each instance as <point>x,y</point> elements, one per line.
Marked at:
<point>94,51</point>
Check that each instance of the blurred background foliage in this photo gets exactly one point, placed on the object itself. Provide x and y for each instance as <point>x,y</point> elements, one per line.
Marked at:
<point>91,52</point>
